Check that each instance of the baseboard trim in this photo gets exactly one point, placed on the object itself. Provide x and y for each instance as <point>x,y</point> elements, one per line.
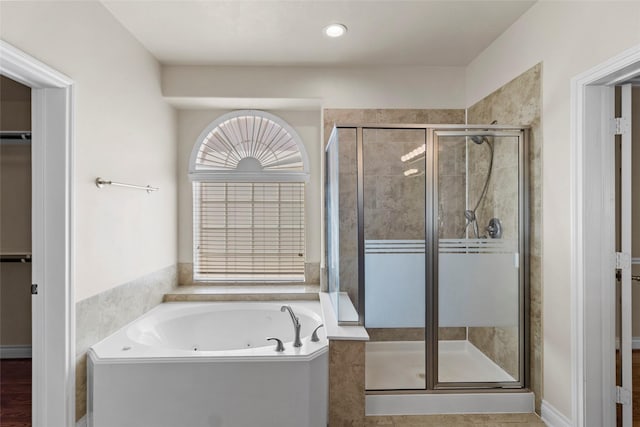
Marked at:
<point>455,403</point>
<point>82,422</point>
<point>15,352</point>
<point>552,417</point>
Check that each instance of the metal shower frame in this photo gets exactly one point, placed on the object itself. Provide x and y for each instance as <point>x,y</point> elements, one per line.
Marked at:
<point>432,133</point>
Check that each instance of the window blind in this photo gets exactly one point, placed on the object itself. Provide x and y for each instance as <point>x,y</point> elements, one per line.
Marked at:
<point>248,231</point>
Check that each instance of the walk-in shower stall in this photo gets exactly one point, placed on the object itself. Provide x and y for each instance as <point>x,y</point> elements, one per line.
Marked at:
<point>427,248</point>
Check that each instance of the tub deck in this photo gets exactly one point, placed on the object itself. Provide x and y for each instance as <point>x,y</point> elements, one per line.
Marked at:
<point>243,293</point>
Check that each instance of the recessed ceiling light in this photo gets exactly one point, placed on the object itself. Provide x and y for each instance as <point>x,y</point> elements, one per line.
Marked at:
<point>335,30</point>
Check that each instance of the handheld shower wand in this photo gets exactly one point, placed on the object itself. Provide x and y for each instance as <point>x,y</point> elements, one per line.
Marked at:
<point>471,219</point>
<point>470,214</point>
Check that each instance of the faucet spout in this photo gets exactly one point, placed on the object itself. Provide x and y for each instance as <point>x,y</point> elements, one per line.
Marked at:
<point>296,325</point>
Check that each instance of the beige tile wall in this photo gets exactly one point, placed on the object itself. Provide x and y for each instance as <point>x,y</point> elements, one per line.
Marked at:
<point>518,103</point>
<point>99,316</point>
<point>346,383</point>
<point>452,183</point>
<point>414,334</point>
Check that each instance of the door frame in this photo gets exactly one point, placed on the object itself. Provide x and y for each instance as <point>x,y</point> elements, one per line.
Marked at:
<point>53,308</point>
<point>592,236</point>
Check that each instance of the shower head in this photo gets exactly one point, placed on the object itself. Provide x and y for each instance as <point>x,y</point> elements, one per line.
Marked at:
<point>479,139</point>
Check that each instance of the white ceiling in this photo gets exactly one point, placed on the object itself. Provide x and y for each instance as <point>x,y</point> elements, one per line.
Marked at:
<point>288,33</point>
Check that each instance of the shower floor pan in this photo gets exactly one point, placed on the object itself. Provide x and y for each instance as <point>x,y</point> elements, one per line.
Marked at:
<point>397,365</point>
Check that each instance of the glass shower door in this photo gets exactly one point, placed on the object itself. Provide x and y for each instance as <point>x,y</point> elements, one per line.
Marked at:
<point>342,235</point>
<point>479,243</point>
<point>392,202</point>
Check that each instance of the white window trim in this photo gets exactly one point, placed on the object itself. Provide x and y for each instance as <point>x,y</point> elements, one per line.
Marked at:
<point>261,267</point>
<point>266,176</point>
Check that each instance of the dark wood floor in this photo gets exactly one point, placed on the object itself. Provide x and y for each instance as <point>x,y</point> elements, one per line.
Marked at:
<point>635,372</point>
<point>15,392</point>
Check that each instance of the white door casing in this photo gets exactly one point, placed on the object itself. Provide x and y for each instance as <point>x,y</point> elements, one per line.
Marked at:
<point>592,239</point>
<point>53,308</point>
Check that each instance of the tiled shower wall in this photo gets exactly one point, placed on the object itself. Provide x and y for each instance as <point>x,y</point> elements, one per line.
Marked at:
<point>517,103</point>
<point>452,183</point>
<point>393,203</point>
<point>99,316</point>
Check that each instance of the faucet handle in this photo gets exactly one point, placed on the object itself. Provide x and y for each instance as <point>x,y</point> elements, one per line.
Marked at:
<point>314,335</point>
<point>279,345</point>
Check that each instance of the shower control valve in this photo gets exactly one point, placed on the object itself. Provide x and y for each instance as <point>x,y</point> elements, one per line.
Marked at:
<point>494,228</point>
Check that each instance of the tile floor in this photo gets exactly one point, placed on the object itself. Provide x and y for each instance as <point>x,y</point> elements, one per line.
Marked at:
<point>468,420</point>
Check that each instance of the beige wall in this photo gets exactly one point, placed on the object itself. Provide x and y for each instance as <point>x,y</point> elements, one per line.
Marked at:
<point>124,131</point>
<point>15,215</point>
<point>560,35</point>
<point>350,87</point>
<point>635,207</point>
<point>224,88</point>
<point>192,122</point>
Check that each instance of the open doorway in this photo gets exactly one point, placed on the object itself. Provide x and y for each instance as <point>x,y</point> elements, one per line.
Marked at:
<point>52,303</point>
<point>635,248</point>
<point>595,258</point>
<point>15,252</point>
<point>630,97</point>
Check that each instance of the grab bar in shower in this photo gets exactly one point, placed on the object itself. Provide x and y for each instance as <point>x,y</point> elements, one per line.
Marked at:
<point>102,182</point>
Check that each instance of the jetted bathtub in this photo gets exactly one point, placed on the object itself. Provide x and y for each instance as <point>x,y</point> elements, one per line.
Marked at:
<point>210,365</point>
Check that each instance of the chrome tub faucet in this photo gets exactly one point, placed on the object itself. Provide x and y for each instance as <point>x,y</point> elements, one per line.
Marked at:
<point>296,325</point>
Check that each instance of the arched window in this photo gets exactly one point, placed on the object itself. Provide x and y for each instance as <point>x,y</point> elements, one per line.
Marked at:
<point>248,169</point>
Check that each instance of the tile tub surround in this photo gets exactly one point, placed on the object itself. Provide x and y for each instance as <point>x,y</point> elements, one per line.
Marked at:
<point>100,315</point>
<point>242,292</point>
<point>519,103</point>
